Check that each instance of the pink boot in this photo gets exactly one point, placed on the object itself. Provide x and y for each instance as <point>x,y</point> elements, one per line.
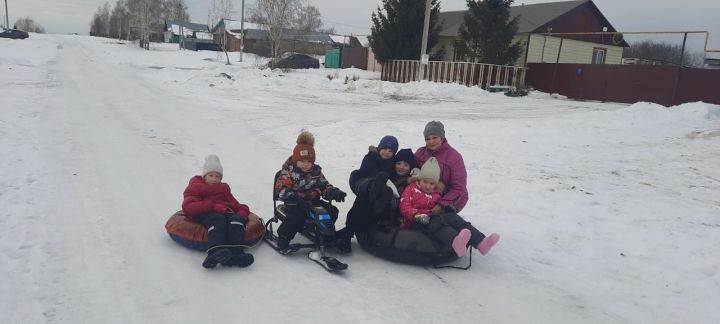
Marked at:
<point>459,243</point>
<point>487,244</point>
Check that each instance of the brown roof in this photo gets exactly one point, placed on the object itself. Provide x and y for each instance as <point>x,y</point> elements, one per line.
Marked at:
<point>532,16</point>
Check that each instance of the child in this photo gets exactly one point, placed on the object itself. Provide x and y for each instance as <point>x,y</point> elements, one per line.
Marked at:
<point>405,167</point>
<point>300,186</point>
<point>417,202</point>
<point>377,160</point>
<point>209,202</point>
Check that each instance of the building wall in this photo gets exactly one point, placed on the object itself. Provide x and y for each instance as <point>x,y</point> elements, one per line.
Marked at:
<point>544,49</point>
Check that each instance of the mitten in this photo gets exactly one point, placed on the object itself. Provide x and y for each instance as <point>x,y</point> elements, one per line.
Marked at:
<point>338,195</point>
<point>392,187</point>
<point>220,208</point>
<point>422,219</point>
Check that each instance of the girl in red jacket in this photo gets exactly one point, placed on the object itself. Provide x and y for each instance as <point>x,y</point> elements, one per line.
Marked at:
<point>209,202</point>
<point>416,207</point>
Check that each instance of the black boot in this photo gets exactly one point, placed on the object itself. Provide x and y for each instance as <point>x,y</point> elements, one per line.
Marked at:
<point>215,256</point>
<point>239,258</point>
<point>342,245</point>
<point>283,243</point>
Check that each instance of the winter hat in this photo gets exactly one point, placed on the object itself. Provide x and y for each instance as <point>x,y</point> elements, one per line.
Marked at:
<point>406,155</point>
<point>389,142</point>
<point>434,128</point>
<point>304,149</point>
<point>212,164</point>
<point>430,170</point>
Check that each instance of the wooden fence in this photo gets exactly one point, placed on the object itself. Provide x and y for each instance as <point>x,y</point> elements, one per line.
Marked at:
<point>469,74</point>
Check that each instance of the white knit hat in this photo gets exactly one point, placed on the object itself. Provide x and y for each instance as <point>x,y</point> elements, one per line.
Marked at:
<point>212,164</point>
<point>430,170</point>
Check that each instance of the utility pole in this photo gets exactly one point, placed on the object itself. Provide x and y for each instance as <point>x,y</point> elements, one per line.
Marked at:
<point>423,56</point>
<point>242,27</point>
<point>7,17</point>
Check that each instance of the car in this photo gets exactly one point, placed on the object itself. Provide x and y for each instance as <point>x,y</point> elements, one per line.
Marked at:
<point>13,33</point>
<point>294,61</point>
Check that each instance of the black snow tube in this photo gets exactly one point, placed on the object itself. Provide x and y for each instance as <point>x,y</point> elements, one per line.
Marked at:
<point>405,246</point>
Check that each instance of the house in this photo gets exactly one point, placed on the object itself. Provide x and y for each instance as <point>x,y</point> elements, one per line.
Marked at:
<point>712,60</point>
<point>228,32</point>
<point>174,30</point>
<point>554,17</point>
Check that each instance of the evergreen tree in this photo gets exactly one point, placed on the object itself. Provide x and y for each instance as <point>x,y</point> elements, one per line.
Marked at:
<point>397,34</point>
<point>487,33</point>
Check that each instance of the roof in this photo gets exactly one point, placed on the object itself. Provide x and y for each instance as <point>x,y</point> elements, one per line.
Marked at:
<point>186,25</point>
<point>259,31</point>
<point>532,16</point>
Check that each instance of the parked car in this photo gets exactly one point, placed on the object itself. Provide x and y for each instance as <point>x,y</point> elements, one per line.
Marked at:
<point>13,33</point>
<point>294,61</point>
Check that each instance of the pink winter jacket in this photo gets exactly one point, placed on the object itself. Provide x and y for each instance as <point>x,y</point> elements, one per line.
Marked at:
<point>452,174</point>
<point>413,202</point>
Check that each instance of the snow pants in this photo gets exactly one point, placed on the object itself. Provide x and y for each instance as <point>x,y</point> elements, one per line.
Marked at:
<point>223,228</point>
<point>296,214</point>
<point>445,227</point>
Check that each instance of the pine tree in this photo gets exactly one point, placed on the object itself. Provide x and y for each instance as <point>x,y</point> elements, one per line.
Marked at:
<point>397,34</point>
<point>487,33</point>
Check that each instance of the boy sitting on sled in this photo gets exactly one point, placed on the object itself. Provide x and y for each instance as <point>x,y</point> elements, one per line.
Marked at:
<point>300,186</point>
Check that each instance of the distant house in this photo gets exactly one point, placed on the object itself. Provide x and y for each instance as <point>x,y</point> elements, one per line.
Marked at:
<point>227,32</point>
<point>553,17</point>
<point>712,60</point>
<point>175,30</point>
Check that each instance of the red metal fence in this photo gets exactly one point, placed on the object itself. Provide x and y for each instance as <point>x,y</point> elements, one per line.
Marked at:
<point>665,85</point>
<point>469,74</point>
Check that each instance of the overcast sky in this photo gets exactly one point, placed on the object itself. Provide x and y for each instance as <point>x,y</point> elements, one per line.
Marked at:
<point>353,16</point>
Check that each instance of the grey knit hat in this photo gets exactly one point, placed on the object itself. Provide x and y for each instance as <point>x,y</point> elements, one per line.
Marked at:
<point>434,128</point>
<point>430,170</point>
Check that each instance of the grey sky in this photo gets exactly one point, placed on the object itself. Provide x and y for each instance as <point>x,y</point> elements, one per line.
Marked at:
<point>353,16</point>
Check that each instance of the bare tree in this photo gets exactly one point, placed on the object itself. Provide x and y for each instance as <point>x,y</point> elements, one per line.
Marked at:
<point>145,19</point>
<point>663,52</point>
<point>308,18</point>
<point>29,25</point>
<point>119,21</point>
<point>175,10</point>
<point>276,15</point>
<point>218,10</point>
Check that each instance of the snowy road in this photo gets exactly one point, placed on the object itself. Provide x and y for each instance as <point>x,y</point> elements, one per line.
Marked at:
<point>609,213</point>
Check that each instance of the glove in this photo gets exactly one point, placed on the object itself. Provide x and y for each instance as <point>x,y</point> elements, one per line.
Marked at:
<point>220,208</point>
<point>422,219</point>
<point>337,195</point>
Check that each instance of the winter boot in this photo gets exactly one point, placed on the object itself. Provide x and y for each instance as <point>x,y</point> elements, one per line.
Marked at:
<point>239,258</point>
<point>487,244</point>
<point>283,244</point>
<point>342,245</point>
<point>459,244</point>
<point>215,256</point>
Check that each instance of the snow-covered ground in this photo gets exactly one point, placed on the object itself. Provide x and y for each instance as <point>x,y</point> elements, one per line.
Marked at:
<point>608,213</point>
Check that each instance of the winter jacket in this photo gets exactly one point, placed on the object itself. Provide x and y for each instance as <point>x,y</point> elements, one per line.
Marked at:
<point>371,165</point>
<point>309,186</point>
<point>414,201</point>
<point>201,198</point>
<point>452,174</point>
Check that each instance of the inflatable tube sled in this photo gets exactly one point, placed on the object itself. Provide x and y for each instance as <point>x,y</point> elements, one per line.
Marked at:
<point>194,236</point>
<point>405,246</point>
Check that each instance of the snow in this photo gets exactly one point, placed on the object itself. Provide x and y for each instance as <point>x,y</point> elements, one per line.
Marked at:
<point>608,212</point>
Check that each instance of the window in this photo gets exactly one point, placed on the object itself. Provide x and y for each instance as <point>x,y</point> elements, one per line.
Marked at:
<point>598,55</point>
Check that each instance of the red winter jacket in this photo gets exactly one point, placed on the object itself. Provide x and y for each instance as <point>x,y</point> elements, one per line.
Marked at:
<point>201,198</point>
<point>414,202</point>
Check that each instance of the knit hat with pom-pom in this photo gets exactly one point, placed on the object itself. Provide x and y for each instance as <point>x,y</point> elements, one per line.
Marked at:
<point>304,150</point>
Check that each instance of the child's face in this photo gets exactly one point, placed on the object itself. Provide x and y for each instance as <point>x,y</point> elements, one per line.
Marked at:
<point>213,178</point>
<point>432,142</point>
<point>386,153</point>
<point>402,168</point>
<point>305,165</point>
<point>427,185</point>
